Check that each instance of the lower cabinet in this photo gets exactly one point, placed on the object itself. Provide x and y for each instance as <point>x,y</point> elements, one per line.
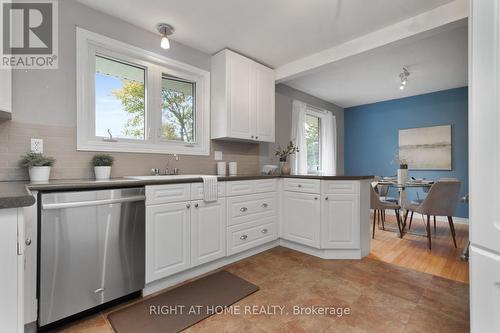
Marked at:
<point>340,222</point>
<point>301,218</point>
<point>208,230</point>
<point>183,235</point>
<point>168,238</point>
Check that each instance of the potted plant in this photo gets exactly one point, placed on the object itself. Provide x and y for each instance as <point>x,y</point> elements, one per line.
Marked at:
<point>403,168</point>
<point>38,166</point>
<point>283,154</point>
<point>102,166</point>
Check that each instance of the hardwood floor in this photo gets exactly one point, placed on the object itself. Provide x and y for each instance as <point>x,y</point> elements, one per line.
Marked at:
<point>412,251</point>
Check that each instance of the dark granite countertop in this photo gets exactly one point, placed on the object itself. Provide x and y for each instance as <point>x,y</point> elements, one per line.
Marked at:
<point>17,194</point>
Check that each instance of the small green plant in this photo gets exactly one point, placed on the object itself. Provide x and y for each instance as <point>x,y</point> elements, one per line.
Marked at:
<point>102,160</point>
<point>35,159</point>
<point>283,153</point>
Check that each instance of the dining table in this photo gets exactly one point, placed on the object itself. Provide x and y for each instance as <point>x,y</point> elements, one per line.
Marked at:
<point>401,188</point>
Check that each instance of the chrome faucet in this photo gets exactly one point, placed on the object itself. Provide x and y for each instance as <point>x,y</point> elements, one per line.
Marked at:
<point>175,171</point>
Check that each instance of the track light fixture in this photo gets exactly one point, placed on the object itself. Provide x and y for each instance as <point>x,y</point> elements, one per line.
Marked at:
<point>403,76</point>
<point>166,30</point>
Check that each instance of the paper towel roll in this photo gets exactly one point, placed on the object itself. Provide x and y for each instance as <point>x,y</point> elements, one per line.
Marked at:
<point>221,168</point>
<point>233,168</point>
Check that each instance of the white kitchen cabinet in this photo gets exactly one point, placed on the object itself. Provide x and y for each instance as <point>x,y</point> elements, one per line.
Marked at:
<point>485,290</point>
<point>242,99</point>
<point>167,239</point>
<point>208,231</point>
<point>301,218</point>
<point>5,93</point>
<point>340,226</point>
<point>12,263</point>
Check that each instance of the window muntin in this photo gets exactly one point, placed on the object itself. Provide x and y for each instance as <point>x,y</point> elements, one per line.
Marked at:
<point>178,109</point>
<point>119,99</point>
<point>313,143</point>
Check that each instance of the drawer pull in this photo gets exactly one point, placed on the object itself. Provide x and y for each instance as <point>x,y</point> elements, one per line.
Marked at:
<point>264,231</point>
<point>243,209</point>
<point>196,205</point>
<point>326,198</point>
<point>28,241</point>
<point>315,198</point>
<point>265,205</point>
<point>300,185</point>
<point>243,237</point>
<point>188,206</point>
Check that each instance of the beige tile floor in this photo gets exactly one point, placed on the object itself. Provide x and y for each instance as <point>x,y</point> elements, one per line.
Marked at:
<point>381,297</point>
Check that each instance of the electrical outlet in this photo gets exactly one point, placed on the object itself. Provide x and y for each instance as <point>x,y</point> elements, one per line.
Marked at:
<point>37,146</point>
<point>218,155</point>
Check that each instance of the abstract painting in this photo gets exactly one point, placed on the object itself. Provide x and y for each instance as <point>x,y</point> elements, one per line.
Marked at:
<point>426,148</point>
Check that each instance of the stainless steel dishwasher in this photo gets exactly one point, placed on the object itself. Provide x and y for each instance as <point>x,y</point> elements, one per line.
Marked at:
<point>92,249</point>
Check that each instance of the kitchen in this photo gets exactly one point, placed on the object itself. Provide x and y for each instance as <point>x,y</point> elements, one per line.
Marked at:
<point>158,162</point>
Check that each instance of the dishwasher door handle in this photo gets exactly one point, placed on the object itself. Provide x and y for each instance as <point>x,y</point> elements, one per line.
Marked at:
<point>92,202</point>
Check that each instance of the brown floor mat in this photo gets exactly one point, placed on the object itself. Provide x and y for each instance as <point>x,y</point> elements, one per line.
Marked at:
<point>193,302</point>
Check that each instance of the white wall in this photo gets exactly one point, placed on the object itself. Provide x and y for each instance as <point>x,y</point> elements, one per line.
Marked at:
<point>49,96</point>
<point>284,99</point>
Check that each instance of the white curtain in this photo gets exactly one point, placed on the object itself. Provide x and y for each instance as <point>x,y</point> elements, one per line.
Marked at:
<point>298,162</point>
<point>329,144</point>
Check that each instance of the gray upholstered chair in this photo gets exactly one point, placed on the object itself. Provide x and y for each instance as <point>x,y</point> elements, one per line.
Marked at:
<point>441,201</point>
<point>382,192</point>
<point>378,205</point>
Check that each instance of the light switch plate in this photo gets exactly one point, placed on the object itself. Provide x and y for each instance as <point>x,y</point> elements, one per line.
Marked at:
<point>218,155</point>
<point>37,146</point>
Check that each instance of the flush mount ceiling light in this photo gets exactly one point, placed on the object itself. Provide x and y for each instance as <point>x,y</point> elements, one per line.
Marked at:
<point>166,30</point>
<point>403,76</point>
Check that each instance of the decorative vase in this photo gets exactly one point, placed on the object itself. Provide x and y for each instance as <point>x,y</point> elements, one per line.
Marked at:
<point>39,173</point>
<point>285,168</point>
<point>402,174</point>
<point>102,172</point>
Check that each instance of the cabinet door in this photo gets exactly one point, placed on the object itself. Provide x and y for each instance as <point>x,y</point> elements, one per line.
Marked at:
<point>240,113</point>
<point>484,124</point>
<point>208,235</point>
<point>301,218</point>
<point>340,222</point>
<point>263,113</point>
<point>167,240</point>
<point>5,92</point>
<point>484,291</point>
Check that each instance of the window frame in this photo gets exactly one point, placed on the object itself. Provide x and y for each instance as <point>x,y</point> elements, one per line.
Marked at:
<point>89,45</point>
<point>321,115</point>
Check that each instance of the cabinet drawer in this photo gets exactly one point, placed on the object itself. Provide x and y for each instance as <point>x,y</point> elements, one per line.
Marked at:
<point>158,194</point>
<point>241,239</point>
<point>246,208</point>
<point>302,185</point>
<point>265,185</point>
<point>197,190</point>
<point>240,187</point>
<point>340,187</point>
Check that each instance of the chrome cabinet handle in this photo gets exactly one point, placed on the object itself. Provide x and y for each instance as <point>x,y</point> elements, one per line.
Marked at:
<point>264,231</point>
<point>315,198</point>
<point>243,237</point>
<point>265,205</point>
<point>188,206</point>
<point>256,137</point>
<point>300,185</point>
<point>28,241</point>
<point>243,209</point>
<point>196,205</point>
<point>100,290</point>
<point>326,198</point>
<point>252,136</point>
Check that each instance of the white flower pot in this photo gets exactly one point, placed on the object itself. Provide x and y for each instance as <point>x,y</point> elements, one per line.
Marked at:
<point>402,176</point>
<point>102,172</point>
<point>39,173</point>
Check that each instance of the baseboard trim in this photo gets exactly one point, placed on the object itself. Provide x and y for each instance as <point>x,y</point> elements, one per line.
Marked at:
<point>323,253</point>
<point>197,271</point>
<point>456,219</point>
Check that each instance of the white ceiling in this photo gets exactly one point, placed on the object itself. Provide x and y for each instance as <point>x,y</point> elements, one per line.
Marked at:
<point>436,62</point>
<point>274,32</point>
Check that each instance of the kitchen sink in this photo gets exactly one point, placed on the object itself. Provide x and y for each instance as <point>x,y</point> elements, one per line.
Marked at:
<point>165,177</point>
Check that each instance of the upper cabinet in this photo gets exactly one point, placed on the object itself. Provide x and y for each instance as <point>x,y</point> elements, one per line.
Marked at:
<point>5,94</point>
<point>242,98</point>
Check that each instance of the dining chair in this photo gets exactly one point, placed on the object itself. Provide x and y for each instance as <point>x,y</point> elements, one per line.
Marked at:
<point>441,201</point>
<point>378,205</point>
<point>383,193</point>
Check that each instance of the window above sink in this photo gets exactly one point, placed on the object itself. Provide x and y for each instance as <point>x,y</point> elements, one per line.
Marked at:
<point>133,100</point>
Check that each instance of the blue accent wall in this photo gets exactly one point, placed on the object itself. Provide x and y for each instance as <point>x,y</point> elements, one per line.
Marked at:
<point>371,135</point>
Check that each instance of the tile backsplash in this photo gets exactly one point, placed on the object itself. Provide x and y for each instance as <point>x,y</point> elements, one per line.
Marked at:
<point>60,143</point>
